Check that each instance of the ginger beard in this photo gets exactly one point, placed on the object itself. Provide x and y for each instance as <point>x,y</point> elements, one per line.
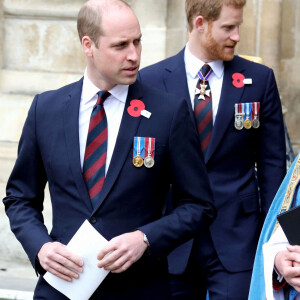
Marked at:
<point>218,51</point>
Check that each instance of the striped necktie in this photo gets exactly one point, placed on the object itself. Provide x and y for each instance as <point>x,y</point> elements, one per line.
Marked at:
<point>95,151</point>
<point>203,107</point>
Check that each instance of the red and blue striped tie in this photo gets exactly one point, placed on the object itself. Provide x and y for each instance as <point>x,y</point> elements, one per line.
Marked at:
<point>95,151</point>
<point>203,108</point>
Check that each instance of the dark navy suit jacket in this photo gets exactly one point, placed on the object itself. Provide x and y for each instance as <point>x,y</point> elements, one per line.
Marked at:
<point>132,198</point>
<point>242,199</point>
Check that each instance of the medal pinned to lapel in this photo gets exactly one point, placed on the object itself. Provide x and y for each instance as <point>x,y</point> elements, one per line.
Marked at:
<point>149,149</point>
<point>137,108</point>
<point>255,113</point>
<point>143,151</point>
<point>203,91</point>
<point>239,116</point>
<point>247,121</point>
<point>138,151</point>
<point>246,115</point>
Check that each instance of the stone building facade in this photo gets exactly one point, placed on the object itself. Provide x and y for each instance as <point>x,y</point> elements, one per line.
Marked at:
<point>40,50</point>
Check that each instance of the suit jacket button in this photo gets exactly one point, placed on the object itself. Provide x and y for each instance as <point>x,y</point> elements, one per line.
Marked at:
<point>93,220</point>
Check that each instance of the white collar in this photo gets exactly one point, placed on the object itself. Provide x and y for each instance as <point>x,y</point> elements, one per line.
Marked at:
<point>194,64</point>
<point>89,90</point>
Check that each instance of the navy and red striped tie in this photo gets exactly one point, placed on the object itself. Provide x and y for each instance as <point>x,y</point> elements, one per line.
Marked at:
<point>96,148</point>
<point>203,108</point>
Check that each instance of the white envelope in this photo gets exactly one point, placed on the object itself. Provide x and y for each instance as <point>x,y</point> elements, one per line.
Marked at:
<point>86,243</point>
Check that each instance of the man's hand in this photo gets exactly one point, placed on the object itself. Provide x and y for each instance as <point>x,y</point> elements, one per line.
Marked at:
<point>123,251</point>
<point>288,265</point>
<point>58,260</point>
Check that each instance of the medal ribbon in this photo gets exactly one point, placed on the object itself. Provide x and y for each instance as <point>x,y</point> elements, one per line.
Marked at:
<point>255,110</point>
<point>150,146</point>
<point>248,110</point>
<point>204,78</point>
<point>138,146</point>
<point>243,109</point>
<point>236,108</point>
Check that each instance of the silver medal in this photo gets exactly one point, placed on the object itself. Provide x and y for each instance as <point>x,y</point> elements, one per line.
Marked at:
<point>255,123</point>
<point>149,162</point>
<point>239,123</point>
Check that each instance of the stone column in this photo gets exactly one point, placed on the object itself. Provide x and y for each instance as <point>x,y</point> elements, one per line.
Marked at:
<point>270,29</point>
<point>1,32</point>
<point>289,68</point>
<point>248,31</point>
<point>152,16</point>
<point>176,36</point>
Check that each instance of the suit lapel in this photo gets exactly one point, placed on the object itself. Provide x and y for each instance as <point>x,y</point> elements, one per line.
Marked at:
<point>225,115</point>
<point>71,127</point>
<point>175,78</point>
<point>128,128</point>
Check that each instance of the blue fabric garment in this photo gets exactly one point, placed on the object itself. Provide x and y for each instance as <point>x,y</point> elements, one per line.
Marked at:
<point>292,293</point>
<point>290,156</point>
<point>257,287</point>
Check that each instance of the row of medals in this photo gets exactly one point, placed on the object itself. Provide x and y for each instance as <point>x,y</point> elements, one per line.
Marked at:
<point>239,122</point>
<point>138,161</point>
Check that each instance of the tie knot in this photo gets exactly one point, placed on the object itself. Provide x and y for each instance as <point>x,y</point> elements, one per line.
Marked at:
<point>102,95</point>
<point>205,69</point>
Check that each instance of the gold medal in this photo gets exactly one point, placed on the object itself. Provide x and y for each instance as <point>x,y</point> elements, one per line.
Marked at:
<point>247,124</point>
<point>137,161</point>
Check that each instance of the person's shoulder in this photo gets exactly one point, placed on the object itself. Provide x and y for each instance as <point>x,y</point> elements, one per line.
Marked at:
<point>64,90</point>
<point>159,97</point>
<point>152,90</point>
<point>167,63</point>
<point>241,62</point>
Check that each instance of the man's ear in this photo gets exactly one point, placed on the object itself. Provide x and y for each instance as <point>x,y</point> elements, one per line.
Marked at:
<point>200,23</point>
<point>87,44</point>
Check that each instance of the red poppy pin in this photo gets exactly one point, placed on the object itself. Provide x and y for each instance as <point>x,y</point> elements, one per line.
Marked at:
<point>238,80</point>
<point>136,107</point>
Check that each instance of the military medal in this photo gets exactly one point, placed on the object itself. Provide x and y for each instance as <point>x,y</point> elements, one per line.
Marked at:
<point>255,111</point>
<point>239,117</point>
<point>247,122</point>
<point>203,91</point>
<point>149,147</point>
<point>138,149</point>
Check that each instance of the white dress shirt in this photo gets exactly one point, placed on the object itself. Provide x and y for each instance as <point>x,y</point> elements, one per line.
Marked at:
<point>114,106</point>
<point>192,66</point>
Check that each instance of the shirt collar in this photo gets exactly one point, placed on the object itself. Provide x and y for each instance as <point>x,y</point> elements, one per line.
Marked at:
<point>89,90</point>
<point>194,64</point>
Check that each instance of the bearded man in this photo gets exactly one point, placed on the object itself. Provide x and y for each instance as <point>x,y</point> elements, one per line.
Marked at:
<point>236,107</point>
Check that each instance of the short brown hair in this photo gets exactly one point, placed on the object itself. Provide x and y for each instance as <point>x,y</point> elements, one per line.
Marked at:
<point>209,9</point>
<point>90,17</point>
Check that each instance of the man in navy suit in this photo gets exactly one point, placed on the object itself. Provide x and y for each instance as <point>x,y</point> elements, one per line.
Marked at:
<point>128,208</point>
<point>247,132</point>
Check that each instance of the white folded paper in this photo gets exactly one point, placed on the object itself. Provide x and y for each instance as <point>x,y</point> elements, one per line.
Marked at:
<point>86,243</point>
